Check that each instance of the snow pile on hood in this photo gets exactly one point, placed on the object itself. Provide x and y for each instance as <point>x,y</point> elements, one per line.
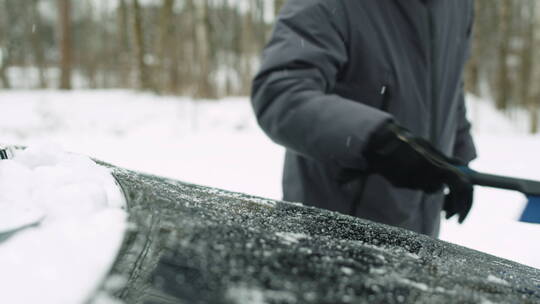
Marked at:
<point>70,220</point>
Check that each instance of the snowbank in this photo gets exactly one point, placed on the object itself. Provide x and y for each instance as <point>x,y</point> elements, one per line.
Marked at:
<point>68,218</point>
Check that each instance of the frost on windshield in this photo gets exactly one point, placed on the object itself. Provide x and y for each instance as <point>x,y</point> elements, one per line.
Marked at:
<point>62,222</point>
<point>192,244</point>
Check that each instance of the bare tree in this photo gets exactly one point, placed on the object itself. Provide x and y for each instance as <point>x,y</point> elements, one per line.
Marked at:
<point>123,48</point>
<point>66,49</point>
<point>88,53</point>
<point>503,73</point>
<point>277,6</point>
<point>106,50</point>
<point>3,69</point>
<point>205,48</point>
<point>527,67</point>
<point>205,89</point>
<point>34,27</point>
<point>5,43</point>
<point>532,91</point>
<point>168,72</point>
<point>472,79</point>
<point>247,41</point>
<point>142,68</point>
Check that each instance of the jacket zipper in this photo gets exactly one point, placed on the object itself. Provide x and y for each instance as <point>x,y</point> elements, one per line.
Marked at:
<point>433,102</point>
<point>433,78</point>
<point>385,92</point>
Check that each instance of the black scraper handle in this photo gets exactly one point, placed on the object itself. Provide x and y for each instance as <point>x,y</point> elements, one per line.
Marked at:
<point>527,187</point>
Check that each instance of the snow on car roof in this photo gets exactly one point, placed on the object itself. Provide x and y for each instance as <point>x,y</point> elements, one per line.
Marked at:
<point>62,222</point>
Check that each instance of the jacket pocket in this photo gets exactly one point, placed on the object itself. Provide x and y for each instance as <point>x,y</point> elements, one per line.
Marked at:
<point>375,92</point>
<point>368,94</point>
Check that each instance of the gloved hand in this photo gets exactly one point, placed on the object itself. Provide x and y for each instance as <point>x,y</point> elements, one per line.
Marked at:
<point>411,162</point>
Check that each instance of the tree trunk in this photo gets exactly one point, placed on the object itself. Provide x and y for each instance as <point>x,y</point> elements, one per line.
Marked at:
<point>228,46</point>
<point>124,63</point>
<point>259,28</point>
<point>205,88</point>
<point>277,6</point>
<point>108,61</point>
<point>66,49</point>
<point>534,113</point>
<point>5,20</point>
<point>89,49</point>
<point>527,64</point>
<point>503,77</point>
<point>533,101</point>
<point>143,72</point>
<point>166,45</point>
<point>247,41</point>
<point>37,43</point>
<point>472,77</point>
<point>6,84</point>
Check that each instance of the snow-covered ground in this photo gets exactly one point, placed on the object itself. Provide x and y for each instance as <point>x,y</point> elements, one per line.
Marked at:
<point>218,143</point>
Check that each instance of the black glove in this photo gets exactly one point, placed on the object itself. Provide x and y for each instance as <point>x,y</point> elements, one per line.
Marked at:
<point>411,162</point>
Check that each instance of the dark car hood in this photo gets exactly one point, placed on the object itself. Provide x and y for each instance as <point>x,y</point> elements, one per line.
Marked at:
<point>192,244</point>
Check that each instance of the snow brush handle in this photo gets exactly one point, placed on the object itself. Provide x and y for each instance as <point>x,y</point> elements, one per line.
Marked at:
<point>527,187</point>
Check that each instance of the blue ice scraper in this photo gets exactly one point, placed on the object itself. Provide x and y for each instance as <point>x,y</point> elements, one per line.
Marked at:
<point>530,188</point>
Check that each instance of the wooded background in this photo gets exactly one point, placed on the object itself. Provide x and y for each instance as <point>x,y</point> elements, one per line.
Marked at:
<point>210,48</point>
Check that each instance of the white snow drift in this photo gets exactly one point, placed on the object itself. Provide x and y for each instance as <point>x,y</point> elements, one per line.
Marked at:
<point>71,219</point>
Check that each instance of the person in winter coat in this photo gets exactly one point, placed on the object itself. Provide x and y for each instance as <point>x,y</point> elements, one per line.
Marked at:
<point>367,97</point>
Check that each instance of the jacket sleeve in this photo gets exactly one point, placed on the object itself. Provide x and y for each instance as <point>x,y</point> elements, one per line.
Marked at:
<point>292,93</point>
<point>464,148</point>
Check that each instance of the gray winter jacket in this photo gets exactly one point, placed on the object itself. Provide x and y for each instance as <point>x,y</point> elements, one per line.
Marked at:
<point>335,70</point>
